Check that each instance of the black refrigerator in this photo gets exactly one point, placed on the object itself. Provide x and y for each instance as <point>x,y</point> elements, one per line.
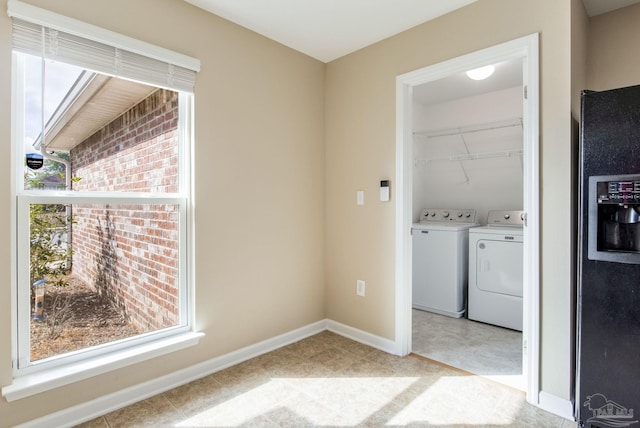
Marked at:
<point>608,297</point>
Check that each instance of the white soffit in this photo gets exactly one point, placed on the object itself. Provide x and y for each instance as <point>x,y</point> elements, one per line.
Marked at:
<point>102,100</point>
<point>329,29</point>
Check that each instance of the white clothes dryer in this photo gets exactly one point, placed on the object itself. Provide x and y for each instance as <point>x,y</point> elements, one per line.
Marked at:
<point>496,270</point>
<point>440,260</point>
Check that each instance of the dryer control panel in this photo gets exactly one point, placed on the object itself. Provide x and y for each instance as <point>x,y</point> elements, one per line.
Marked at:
<point>505,218</point>
<point>453,215</point>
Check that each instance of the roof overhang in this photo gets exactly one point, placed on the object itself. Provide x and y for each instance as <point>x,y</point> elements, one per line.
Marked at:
<point>93,101</point>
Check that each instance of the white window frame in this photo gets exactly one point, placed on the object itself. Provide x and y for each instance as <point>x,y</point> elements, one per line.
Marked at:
<point>38,376</point>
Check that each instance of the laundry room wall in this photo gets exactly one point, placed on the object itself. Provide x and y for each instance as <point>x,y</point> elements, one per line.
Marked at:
<point>492,181</point>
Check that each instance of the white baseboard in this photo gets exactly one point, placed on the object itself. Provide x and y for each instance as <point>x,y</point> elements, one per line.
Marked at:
<point>108,403</point>
<point>362,336</point>
<point>556,405</point>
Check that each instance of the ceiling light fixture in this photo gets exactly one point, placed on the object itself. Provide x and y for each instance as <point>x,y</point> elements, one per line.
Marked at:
<point>481,73</point>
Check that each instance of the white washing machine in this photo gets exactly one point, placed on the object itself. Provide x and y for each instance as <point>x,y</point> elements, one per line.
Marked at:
<point>440,260</point>
<point>495,270</point>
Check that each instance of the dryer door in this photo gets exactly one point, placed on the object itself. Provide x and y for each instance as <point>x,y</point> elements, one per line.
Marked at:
<point>499,267</point>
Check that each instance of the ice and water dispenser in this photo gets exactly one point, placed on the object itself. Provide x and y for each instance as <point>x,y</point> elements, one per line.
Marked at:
<point>614,218</point>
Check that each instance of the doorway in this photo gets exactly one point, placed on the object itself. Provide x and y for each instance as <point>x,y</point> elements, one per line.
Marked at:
<point>525,52</point>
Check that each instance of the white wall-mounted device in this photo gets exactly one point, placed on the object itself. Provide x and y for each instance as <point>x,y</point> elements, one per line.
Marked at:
<point>384,190</point>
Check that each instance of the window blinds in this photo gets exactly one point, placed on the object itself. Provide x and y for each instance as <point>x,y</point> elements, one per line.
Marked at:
<point>54,44</point>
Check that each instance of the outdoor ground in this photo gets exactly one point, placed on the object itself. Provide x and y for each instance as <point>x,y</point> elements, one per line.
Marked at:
<point>75,318</point>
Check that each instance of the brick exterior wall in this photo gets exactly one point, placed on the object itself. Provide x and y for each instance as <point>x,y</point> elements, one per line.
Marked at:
<point>129,253</point>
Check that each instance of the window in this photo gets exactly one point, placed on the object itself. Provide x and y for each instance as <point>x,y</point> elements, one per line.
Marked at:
<point>102,142</point>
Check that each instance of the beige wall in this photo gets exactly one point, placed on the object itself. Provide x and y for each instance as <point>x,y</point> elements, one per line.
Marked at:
<point>360,151</point>
<point>265,114</point>
<point>613,60</point>
<point>6,228</point>
<point>579,46</point>
<point>579,33</point>
<point>259,172</point>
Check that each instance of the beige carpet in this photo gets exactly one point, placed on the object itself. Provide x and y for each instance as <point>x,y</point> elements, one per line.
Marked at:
<point>329,381</point>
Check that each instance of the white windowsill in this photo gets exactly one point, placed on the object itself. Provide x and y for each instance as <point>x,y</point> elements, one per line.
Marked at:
<point>27,385</point>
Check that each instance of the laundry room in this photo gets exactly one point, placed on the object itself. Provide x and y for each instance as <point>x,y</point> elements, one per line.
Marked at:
<point>468,180</point>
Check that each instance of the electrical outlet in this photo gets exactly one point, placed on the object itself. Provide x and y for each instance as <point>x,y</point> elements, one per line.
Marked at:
<point>360,287</point>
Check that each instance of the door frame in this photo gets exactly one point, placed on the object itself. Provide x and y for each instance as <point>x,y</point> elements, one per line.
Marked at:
<point>525,48</point>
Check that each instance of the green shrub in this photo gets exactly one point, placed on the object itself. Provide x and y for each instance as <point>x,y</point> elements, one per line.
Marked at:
<point>50,257</point>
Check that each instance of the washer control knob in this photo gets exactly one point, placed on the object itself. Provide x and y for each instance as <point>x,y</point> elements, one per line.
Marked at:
<point>467,215</point>
<point>507,216</point>
<point>459,215</point>
<point>522,216</point>
<point>445,214</point>
<point>433,214</point>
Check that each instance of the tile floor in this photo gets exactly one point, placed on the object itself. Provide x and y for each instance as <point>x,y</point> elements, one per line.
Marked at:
<point>329,381</point>
<point>479,348</point>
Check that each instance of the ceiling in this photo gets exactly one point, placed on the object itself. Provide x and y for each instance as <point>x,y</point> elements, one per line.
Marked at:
<point>598,7</point>
<point>507,75</point>
<point>329,29</point>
